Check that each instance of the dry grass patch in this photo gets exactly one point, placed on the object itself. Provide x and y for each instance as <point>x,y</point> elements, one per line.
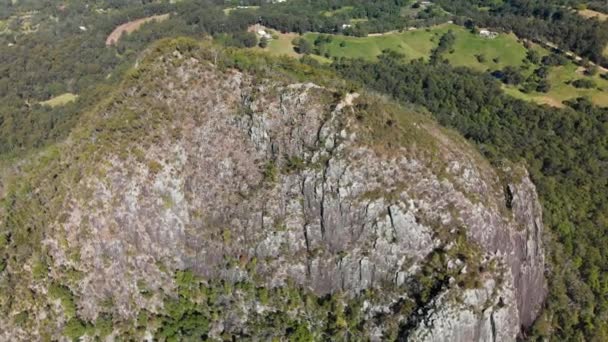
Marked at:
<point>132,26</point>
<point>60,100</point>
<point>587,13</point>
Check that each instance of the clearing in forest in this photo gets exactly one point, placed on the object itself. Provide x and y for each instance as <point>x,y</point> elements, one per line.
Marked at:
<point>495,53</point>
<point>132,26</point>
<point>280,43</point>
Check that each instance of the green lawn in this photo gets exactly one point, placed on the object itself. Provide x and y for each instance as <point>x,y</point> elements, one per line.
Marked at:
<point>498,53</point>
<point>60,100</point>
<point>414,44</point>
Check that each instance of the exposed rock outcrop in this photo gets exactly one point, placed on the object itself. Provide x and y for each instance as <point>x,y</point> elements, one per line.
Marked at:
<point>335,193</point>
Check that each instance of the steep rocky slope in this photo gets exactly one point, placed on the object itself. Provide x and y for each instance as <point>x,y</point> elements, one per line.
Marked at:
<point>251,204</point>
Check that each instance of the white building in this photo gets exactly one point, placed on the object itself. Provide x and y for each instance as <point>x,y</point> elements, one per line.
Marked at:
<point>264,34</point>
<point>488,34</point>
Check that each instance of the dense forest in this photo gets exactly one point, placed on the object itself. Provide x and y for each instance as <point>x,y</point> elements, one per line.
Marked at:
<point>376,16</point>
<point>566,151</point>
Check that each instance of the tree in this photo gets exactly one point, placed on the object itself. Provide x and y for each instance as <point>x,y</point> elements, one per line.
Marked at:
<point>511,75</point>
<point>246,39</point>
<point>584,83</point>
<point>533,56</point>
<point>554,59</point>
<point>302,46</point>
<point>263,42</point>
<point>543,86</point>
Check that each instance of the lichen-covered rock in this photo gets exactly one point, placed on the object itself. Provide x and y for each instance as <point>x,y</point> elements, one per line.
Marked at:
<point>484,314</point>
<point>253,179</point>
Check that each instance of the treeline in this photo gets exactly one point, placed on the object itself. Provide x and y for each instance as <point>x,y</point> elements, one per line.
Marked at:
<point>547,20</point>
<point>566,151</point>
<point>336,16</point>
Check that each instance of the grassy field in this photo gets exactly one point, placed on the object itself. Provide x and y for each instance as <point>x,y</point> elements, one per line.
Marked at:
<point>281,45</point>
<point>538,98</point>
<point>500,52</point>
<point>414,44</point>
<point>561,90</point>
<point>505,50</point>
<point>60,100</point>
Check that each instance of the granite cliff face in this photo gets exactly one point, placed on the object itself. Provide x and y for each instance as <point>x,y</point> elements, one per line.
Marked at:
<point>281,183</point>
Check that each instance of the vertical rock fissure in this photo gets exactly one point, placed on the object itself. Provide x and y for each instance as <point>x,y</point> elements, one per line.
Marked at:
<point>322,202</point>
<point>493,325</point>
<point>390,215</point>
<point>305,227</point>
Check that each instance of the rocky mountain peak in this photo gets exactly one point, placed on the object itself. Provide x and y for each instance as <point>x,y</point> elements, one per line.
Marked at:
<point>254,181</point>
